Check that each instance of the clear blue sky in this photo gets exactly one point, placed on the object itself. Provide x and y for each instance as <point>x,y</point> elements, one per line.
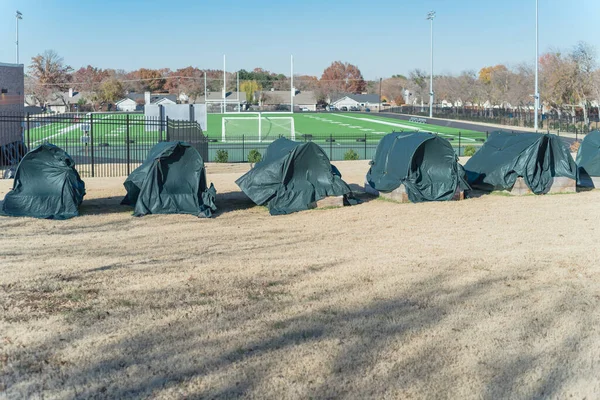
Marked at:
<point>381,37</point>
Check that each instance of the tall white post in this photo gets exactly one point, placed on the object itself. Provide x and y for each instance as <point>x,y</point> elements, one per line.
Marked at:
<point>430,17</point>
<point>259,126</point>
<point>205,89</point>
<point>17,40</point>
<point>237,85</point>
<point>224,85</point>
<point>292,91</point>
<point>537,94</point>
<point>18,16</point>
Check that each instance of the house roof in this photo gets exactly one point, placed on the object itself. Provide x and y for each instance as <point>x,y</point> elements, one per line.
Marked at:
<point>63,97</point>
<point>154,97</point>
<point>359,98</point>
<point>164,100</point>
<point>124,100</point>
<point>33,110</point>
<point>229,97</point>
<point>283,97</point>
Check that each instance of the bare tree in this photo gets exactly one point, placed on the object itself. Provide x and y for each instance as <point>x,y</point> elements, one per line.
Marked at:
<point>393,89</point>
<point>50,76</point>
<point>558,75</point>
<point>583,56</point>
<point>420,82</point>
<point>468,88</point>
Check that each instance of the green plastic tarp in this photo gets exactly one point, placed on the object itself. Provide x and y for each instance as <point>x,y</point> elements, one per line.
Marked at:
<point>588,155</point>
<point>291,176</point>
<point>537,158</point>
<point>424,163</point>
<point>46,185</point>
<point>172,180</point>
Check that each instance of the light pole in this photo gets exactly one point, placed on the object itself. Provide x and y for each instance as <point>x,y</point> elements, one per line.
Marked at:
<point>536,95</point>
<point>18,17</point>
<point>430,17</point>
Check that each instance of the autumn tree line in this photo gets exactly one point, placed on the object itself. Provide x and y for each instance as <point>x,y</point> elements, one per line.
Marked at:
<point>568,78</point>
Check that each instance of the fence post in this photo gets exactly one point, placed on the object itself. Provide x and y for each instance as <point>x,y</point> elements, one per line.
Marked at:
<point>487,135</point>
<point>330,147</point>
<point>365,146</point>
<point>92,142</point>
<point>576,136</point>
<point>244,149</point>
<point>28,133</point>
<point>128,148</point>
<point>167,130</point>
<point>459,135</point>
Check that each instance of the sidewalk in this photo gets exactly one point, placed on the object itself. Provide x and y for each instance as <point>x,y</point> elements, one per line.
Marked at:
<point>510,127</point>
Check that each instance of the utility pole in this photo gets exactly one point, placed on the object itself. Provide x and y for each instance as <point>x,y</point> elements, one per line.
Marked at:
<point>18,17</point>
<point>430,17</point>
<point>380,79</point>
<point>537,94</point>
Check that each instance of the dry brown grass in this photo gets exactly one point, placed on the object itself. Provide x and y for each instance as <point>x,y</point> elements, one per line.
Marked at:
<point>494,297</point>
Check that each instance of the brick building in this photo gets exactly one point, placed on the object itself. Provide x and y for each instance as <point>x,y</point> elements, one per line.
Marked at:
<point>12,88</point>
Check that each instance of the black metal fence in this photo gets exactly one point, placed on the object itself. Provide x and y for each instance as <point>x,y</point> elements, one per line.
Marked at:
<point>114,144</point>
<point>101,144</point>
<point>565,122</point>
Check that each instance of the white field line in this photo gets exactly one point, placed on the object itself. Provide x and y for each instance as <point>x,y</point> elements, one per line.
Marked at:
<point>283,126</point>
<point>60,132</point>
<point>402,126</point>
<point>65,130</point>
<point>272,123</point>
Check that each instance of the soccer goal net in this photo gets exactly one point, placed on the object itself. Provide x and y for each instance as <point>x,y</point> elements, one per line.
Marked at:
<point>257,127</point>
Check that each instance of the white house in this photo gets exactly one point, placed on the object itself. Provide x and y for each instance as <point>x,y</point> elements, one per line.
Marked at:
<point>360,101</point>
<point>126,104</point>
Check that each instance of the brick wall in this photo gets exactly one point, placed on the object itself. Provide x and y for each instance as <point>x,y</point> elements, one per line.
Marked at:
<point>11,102</point>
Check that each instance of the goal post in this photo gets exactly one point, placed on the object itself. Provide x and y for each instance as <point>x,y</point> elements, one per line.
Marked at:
<point>258,127</point>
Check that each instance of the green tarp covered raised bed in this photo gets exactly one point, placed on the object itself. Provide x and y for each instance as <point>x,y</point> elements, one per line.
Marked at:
<point>46,185</point>
<point>504,157</point>
<point>172,180</point>
<point>588,155</point>
<point>424,163</point>
<point>291,176</point>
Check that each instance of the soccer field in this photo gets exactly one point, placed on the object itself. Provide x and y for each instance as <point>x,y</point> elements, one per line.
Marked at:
<point>112,129</point>
<point>321,125</point>
<point>117,136</point>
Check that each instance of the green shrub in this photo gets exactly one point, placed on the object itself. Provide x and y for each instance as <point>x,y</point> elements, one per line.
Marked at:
<point>254,156</point>
<point>351,155</point>
<point>470,151</point>
<point>222,156</point>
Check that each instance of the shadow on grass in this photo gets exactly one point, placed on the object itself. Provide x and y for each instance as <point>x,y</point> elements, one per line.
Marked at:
<point>409,345</point>
<point>232,201</point>
<point>104,205</point>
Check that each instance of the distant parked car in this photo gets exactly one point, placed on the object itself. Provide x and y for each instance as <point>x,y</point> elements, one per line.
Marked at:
<point>304,109</point>
<point>354,108</point>
<point>344,108</point>
<point>367,109</point>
